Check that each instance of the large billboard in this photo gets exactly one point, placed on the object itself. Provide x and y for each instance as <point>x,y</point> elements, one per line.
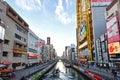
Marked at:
<point>112,29</point>
<point>114,48</point>
<point>83,30</point>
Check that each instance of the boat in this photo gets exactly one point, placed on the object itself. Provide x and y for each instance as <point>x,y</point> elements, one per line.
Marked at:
<point>55,73</point>
<point>67,65</point>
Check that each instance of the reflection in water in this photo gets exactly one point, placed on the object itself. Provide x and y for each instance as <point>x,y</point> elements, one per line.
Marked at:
<point>65,73</point>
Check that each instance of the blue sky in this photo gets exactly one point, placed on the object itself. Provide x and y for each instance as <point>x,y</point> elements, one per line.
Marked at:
<point>49,18</point>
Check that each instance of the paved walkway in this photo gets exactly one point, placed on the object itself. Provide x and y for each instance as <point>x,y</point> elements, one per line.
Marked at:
<point>29,71</point>
<point>106,74</point>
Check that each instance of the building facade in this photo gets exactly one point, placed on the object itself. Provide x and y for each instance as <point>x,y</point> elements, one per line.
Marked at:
<point>2,26</point>
<point>99,30</point>
<point>16,37</point>
<point>84,30</point>
<point>113,32</point>
<point>34,49</point>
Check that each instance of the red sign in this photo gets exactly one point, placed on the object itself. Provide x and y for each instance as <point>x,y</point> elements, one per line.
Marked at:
<point>32,55</point>
<point>114,48</point>
<point>101,0</point>
<point>41,44</point>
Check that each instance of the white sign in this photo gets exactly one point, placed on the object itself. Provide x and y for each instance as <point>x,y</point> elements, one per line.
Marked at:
<point>2,32</point>
<point>100,2</point>
<point>112,27</point>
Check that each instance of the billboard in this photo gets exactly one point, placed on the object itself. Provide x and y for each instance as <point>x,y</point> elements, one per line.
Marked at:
<point>100,2</point>
<point>32,56</point>
<point>112,29</point>
<point>83,30</point>
<point>114,48</point>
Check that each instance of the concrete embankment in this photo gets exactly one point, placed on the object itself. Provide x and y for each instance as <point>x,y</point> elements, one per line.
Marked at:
<point>38,75</point>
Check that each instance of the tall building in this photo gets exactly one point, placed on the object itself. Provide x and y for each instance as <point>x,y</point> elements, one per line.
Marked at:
<point>34,49</point>
<point>16,38</point>
<point>48,40</point>
<point>98,8</point>
<point>84,30</point>
<point>113,32</point>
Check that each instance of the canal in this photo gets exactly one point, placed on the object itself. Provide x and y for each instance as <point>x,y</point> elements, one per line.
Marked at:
<point>66,73</point>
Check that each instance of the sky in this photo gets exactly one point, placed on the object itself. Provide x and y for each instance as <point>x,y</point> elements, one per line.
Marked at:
<point>49,18</point>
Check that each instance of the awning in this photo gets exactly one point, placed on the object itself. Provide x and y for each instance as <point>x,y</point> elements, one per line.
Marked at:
<point>4,70</point>
<point>5,62</point>
<point>2,65</point>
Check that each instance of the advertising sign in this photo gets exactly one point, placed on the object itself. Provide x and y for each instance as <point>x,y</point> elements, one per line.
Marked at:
<point>112,29</point>
<point>32,55</point>
<point>114,48</point>
<point>2,32</point>
<point>83,30</point>
<point>100,2</point>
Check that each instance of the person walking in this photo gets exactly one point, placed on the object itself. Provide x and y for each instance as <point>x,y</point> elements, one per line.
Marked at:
<point>114,73</point>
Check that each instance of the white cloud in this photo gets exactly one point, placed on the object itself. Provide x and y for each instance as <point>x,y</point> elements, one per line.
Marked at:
<point>29,4</point>
<point>61,14</point>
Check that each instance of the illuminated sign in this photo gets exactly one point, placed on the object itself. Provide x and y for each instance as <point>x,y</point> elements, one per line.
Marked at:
<point>32,55</point>
<point>41,44</point>
<point>100,2</point>
<point>83,33</point>
<point>19,51</point>
<point>112,29</point>
<point>114,48</point>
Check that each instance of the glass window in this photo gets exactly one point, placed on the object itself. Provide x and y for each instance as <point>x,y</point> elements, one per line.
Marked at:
<point>17,55</point>
<point>5,54</point>
<point>6,41</point>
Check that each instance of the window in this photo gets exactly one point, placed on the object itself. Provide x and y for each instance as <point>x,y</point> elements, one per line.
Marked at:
<point>6,41</point>
<point>32,50</point>
<point>20,38</point>
<point>5,54</point>
<point>17,55</point>
<point>17,36</point>
<point>21,30</point>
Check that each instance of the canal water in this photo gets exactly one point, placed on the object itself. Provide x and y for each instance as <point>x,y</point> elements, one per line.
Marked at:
<point>66,73</point>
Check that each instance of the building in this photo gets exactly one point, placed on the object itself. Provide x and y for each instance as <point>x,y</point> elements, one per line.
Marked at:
<point>67,52</point>
<point>15,41</point>
<point>34,49</point>
<point>2,26</point>
<point>84,30</point>
<point>99,29</point>
<point>102,51</point>
<point>113,32</point>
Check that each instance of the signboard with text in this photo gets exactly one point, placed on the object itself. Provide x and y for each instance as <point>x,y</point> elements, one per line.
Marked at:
<point>114,48</point>
<point>100,2</point>
<point>112,29</point>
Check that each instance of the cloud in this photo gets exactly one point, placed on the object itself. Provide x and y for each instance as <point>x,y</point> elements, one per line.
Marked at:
<point>29,4</point>
<point>61,14</point>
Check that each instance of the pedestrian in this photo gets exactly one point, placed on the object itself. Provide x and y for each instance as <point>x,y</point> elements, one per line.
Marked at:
<point>114,73</point>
